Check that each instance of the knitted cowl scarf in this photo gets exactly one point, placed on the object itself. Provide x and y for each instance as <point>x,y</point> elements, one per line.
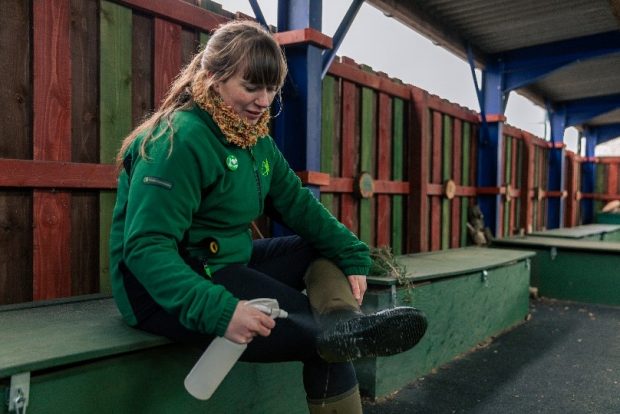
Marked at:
<point>236,129</point>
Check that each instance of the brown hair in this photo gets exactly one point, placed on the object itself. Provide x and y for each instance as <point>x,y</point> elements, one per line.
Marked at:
<point>234,46</point>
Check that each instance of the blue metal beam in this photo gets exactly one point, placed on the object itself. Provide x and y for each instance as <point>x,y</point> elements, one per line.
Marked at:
<point>525,66</point>
<point>588,177</point>
<point>555,182</point>
<point>490,146</point>
<point>580,111</point>
<point>258,13</point>
<point>297,131</point>
<point>606,132</point>
<point>343,28</point>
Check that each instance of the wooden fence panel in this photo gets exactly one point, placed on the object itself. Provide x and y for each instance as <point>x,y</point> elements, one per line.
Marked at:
<point>85,144</point>
<point>15,142</point>
<point>399,153</point>
<point>52,142</point>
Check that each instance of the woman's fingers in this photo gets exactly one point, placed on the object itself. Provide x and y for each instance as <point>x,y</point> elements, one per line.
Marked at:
<point>358,287</point>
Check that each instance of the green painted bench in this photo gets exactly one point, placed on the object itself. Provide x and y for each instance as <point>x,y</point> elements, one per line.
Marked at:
<point>78,356</point>
<point>468,295</point>
<point>596,232</point>
<point>576,270</point>
<point>608,218</point>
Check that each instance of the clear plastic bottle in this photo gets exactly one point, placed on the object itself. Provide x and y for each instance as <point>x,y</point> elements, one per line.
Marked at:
<point>222,354</point>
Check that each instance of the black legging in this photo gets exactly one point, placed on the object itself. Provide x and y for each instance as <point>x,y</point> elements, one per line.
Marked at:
<point>276,270</point>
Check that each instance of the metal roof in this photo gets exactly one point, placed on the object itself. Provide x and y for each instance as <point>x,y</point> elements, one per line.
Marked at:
<point>563,54</point>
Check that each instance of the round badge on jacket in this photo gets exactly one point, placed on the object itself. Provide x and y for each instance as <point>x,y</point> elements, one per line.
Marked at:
<point>232,163</point>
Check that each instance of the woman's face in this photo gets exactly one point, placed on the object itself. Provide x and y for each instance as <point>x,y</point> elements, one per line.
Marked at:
<point>247,99</point>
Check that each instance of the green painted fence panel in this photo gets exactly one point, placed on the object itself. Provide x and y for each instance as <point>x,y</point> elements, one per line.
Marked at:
<point>327,136</point>
<point>465,173</point>
<point>446,174</point>
<point>366,152</point>
<point>398,153</point>
<point>115,108</point>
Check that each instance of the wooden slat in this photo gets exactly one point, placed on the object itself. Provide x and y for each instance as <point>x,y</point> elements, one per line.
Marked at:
<point>612,178</point>
<point>417,233</point>
<point>448,108</point>
<point>85,145</point>
<point>354,74</point>
<point>435,220</point>
<point>398,153</point>
<point>366,150</point>
<point>166,58</point>
<point>446,174</point>
<point>16,95</point>
<point>327,136</point>
<point>384,150</point>
<point>178,11</point>
<point>141,68</point>
<point>465,175</point>
<point>52,141</point>
<point>527,185</point>
<point>302,37</point>
<point>57,174</point>
<point>350,144</point>
<point>455,208</point>
<point>115,107</point>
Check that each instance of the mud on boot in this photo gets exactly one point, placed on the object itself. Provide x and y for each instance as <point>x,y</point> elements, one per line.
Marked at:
<point>348,335</point>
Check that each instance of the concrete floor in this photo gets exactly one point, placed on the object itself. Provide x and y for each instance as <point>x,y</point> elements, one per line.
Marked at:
<point>565,359</point>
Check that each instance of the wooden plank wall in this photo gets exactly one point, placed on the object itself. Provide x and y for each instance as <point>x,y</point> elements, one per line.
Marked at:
<point>77,76</point>
<point>112,62</point>
<point>375,124</point>
<point>607,181</point>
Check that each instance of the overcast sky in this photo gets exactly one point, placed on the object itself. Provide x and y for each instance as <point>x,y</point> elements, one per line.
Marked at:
<point>388,46</point>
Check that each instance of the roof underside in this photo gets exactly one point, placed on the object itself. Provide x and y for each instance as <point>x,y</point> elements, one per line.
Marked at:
<point>503,29</point>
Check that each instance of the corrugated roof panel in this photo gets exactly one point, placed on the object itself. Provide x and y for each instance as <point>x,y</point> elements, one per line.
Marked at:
<point>576,81</point>
<point>495,26</point>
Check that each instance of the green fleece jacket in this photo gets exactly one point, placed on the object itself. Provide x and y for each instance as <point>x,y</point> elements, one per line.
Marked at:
<point>204,192</point>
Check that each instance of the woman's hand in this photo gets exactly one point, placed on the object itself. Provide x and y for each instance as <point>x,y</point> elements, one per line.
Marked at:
<point>246,323</point>
<point>358,287</point>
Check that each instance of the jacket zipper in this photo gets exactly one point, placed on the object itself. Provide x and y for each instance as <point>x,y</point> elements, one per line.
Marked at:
<point>258,186</point>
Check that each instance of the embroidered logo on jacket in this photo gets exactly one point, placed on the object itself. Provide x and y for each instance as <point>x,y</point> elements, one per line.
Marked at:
<point>265,168</point>
<point>160,182</point>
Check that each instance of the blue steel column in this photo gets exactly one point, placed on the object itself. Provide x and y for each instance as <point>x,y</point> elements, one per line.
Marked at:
<point>490,146</point>
<point>297,130</point>
<point>588,178</point>
<point>556,179</point>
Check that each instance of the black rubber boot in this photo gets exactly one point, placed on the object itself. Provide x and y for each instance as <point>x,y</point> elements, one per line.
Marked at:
<point>349,335</point>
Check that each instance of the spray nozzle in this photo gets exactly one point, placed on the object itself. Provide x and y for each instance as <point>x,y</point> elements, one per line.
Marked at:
<point>269,307</point>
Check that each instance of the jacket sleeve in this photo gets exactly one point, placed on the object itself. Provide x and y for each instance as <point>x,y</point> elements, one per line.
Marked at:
<point>164,193</point>
<point>304,214</point>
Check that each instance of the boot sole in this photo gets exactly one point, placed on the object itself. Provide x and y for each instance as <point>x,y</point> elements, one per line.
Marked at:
<point>384,333</point>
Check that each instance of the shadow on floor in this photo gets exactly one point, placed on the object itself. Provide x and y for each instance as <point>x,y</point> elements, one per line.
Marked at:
<point>565,359</point>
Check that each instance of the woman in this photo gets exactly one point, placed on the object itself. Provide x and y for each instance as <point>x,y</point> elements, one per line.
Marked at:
<point>194,176</point>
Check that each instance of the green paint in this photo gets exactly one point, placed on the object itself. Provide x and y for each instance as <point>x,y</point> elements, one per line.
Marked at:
<point>600,186</point>
<point>446,174</point>
<point>398,154</point>
<point>465,173</point>
<point>576,270</point>
<point>84,359</point>
<point>151,381</point>
<point>472,309</point>
<point>327,136</point>
<point>366,150</point>
<point>203,38</point>
<point>609,218</point>
<point>115,109</point>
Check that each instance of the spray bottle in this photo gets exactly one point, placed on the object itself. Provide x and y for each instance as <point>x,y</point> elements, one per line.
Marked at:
<point>222,354</point>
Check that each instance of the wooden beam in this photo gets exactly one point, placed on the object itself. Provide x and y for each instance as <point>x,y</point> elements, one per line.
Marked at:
<point>52,141</point>
<point>57,175</point>
<point>178,11</point>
